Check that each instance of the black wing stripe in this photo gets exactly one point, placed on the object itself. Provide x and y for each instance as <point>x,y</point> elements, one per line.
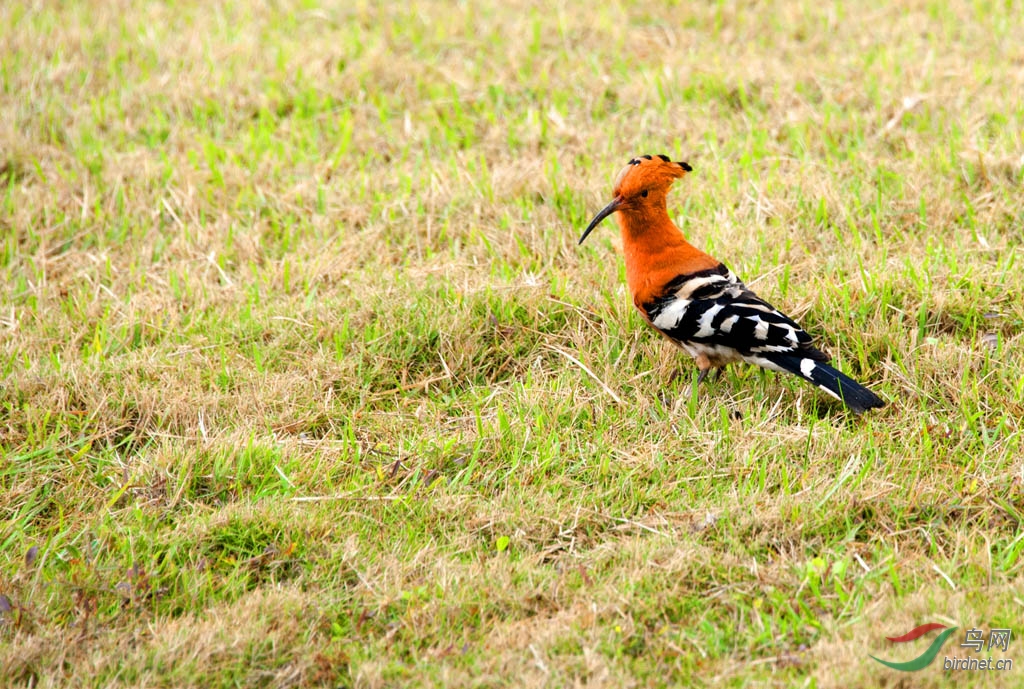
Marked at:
<point>710,290</point>
<point>712,307</point>
<point>690,322</point>
<point>720,271</point>
<point>743,332</point>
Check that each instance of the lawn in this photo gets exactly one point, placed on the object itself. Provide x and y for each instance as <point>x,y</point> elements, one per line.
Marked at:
<point>305,381</point>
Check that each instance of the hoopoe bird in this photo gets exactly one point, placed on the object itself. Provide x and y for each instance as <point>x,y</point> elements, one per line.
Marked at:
<point>698,303</point>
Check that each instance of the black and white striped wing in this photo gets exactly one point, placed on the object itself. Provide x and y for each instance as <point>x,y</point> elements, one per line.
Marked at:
<point>712,314</point>
<point>713,310</point>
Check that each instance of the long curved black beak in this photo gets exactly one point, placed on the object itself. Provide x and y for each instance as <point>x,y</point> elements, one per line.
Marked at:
<point>604,213</point>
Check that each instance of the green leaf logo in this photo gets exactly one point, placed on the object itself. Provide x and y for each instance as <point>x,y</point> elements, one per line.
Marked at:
<point>925,658</point>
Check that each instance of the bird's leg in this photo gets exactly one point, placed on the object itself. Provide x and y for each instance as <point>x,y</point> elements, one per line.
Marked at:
<point>704,364</point>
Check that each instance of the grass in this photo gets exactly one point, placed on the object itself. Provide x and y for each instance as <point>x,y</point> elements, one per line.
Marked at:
<point>305,381</point>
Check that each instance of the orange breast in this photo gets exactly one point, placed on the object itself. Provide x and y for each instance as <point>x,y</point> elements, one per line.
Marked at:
<point>656,254</point>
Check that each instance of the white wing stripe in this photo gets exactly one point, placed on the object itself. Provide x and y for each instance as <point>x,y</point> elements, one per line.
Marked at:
<point>706,330</point>
<point>691,286</point>
<point>670,317</point>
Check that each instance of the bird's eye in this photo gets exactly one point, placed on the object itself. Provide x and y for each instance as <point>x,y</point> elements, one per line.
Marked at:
<point>644,193</point>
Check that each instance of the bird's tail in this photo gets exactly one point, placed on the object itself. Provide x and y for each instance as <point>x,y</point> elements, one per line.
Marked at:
<point>836,383</point>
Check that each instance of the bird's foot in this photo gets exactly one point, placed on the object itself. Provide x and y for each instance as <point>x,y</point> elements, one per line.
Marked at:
<point>700,379</point>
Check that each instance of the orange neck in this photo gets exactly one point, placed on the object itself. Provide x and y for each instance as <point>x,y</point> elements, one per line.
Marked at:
<point>656,251</point>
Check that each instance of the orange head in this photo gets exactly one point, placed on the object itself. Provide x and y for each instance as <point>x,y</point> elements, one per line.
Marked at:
<point>642,184</point>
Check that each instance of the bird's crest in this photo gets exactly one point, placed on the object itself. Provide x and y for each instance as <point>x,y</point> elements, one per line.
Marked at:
<point>649,171</point>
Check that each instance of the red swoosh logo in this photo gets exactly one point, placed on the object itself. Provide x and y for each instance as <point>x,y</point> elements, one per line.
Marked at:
<point>916,632</point>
